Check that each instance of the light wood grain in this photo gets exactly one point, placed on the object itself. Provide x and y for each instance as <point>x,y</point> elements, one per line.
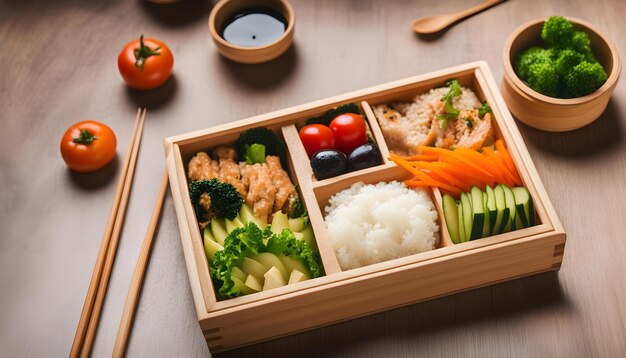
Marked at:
<point>128,314</point>
<point>316,194</point>
<point>94,284</point>
<point>549,113</point>
<point>94,319</point>
<point>46,256</point>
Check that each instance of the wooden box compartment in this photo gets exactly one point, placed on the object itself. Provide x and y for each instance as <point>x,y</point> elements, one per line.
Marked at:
<point>342,295</point>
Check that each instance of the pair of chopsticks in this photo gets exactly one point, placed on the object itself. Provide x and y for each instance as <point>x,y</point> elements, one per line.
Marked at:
<point>90,315</point>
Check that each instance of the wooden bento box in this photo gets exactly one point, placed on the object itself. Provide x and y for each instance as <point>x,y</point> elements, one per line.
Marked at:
<point>343,295</point>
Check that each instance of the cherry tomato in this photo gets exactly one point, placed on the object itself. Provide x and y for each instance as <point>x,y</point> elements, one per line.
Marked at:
<point>316,137</point>
<point>145,63</point>
<point>87,146</point>
<point>349,131</point>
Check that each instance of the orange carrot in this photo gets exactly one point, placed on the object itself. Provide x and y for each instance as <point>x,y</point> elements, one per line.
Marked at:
<point>443,174</point>
<point>497,158</point>
<point>508,160</point>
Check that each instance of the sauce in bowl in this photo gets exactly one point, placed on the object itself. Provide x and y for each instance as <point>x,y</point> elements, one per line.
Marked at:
<point>254,27</point>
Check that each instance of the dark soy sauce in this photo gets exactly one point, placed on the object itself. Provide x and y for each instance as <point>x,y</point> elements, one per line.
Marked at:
<point>254,27</point>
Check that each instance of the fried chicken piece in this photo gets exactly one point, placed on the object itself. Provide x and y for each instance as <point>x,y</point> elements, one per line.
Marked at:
<point>201,166</point>
<point>261,189</point>
<point>229,169</point>
<point>475,136</point>
<point>280,179</point>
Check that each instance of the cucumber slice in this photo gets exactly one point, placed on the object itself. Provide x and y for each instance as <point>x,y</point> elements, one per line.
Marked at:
<point>236,272</point>
<point>309,238</point>
<point>467,216</point>
<point>461,223</point>
<point>296,276</point>
<point>241,286</point>
<point>252,267</point>
<point>478,213</point>
<point>247,215</point>
<point>268,259</point>
<point>517,224</point>
<point>509,199</point>
<point>273,279</point>
<point>451,214</point>
<point>524,206</point>
<point>254,283</point>
<point>294,265</point>
<point>232,224</point>
<point>211,247</point>
<point>298,224</point>
<point>493,209</point>
<point>280,222</point>
<point>502,211</point>
<point>486,226</point>
<point>219,231</point>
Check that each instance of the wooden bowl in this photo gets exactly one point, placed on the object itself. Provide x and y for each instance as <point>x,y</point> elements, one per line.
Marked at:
<point>225,9</point>
<point>549,113</point>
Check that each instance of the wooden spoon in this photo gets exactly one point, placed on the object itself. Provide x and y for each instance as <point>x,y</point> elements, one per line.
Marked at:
<point>436,23</point>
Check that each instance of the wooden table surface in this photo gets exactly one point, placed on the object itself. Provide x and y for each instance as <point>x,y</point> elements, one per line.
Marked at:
<point>58,66</point>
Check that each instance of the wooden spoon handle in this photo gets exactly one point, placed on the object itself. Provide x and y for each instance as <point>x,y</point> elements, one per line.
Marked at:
<point>474,9</point>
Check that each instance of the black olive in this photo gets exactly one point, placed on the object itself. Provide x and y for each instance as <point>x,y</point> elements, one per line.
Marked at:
<point>328,163</point>
<point>364,156</point>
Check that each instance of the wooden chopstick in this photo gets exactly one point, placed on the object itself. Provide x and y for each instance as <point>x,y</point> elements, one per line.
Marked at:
<point>128,314</point>
<point>112,249</point>
<point>119,199</point>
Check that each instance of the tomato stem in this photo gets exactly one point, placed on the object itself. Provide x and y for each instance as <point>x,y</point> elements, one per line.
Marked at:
<point>85,137</point>
<point>143,52</point>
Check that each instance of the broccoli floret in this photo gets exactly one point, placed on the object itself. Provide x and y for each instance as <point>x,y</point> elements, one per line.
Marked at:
<point>225,199</point>
<point>566,60</point>
<point>544,78</point>
<point>531,56</point>
<point>558,31</point>
<point>273,145</point>
<point>581,42</point>
<point>585,78</point>
<point>328,117</point>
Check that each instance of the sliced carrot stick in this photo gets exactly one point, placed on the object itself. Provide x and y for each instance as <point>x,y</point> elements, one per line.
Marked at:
<point>449,155</point>
<point>443,174</point>
<point>508,160</point>
<point>497,158</point>
<point>463,175</point>
<point>423,157</point>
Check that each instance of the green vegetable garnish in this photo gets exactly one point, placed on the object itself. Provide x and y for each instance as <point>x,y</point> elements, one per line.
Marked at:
<point>143,52</point>
<point>468,122</point>
<point>255,154</point>
<point>273,145</point>
<point>225,199</point>
<point>249,241</point>
<point>85,137</point>
<point>484,109</point>
<point>327,117</point>
<point>568,68</point>
<point>454,90</point>
<point>296,207</point>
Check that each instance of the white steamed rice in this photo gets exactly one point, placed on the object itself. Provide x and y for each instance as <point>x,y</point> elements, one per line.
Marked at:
<point>374,223</point>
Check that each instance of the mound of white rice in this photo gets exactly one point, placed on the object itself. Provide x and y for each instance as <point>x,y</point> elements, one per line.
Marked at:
<point>374,223</point>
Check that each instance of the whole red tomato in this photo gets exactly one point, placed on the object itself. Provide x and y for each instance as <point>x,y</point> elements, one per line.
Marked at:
<point>349,131</point>
<point>145,63</point>
<point>87,146</point>
<point>316,137</point>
